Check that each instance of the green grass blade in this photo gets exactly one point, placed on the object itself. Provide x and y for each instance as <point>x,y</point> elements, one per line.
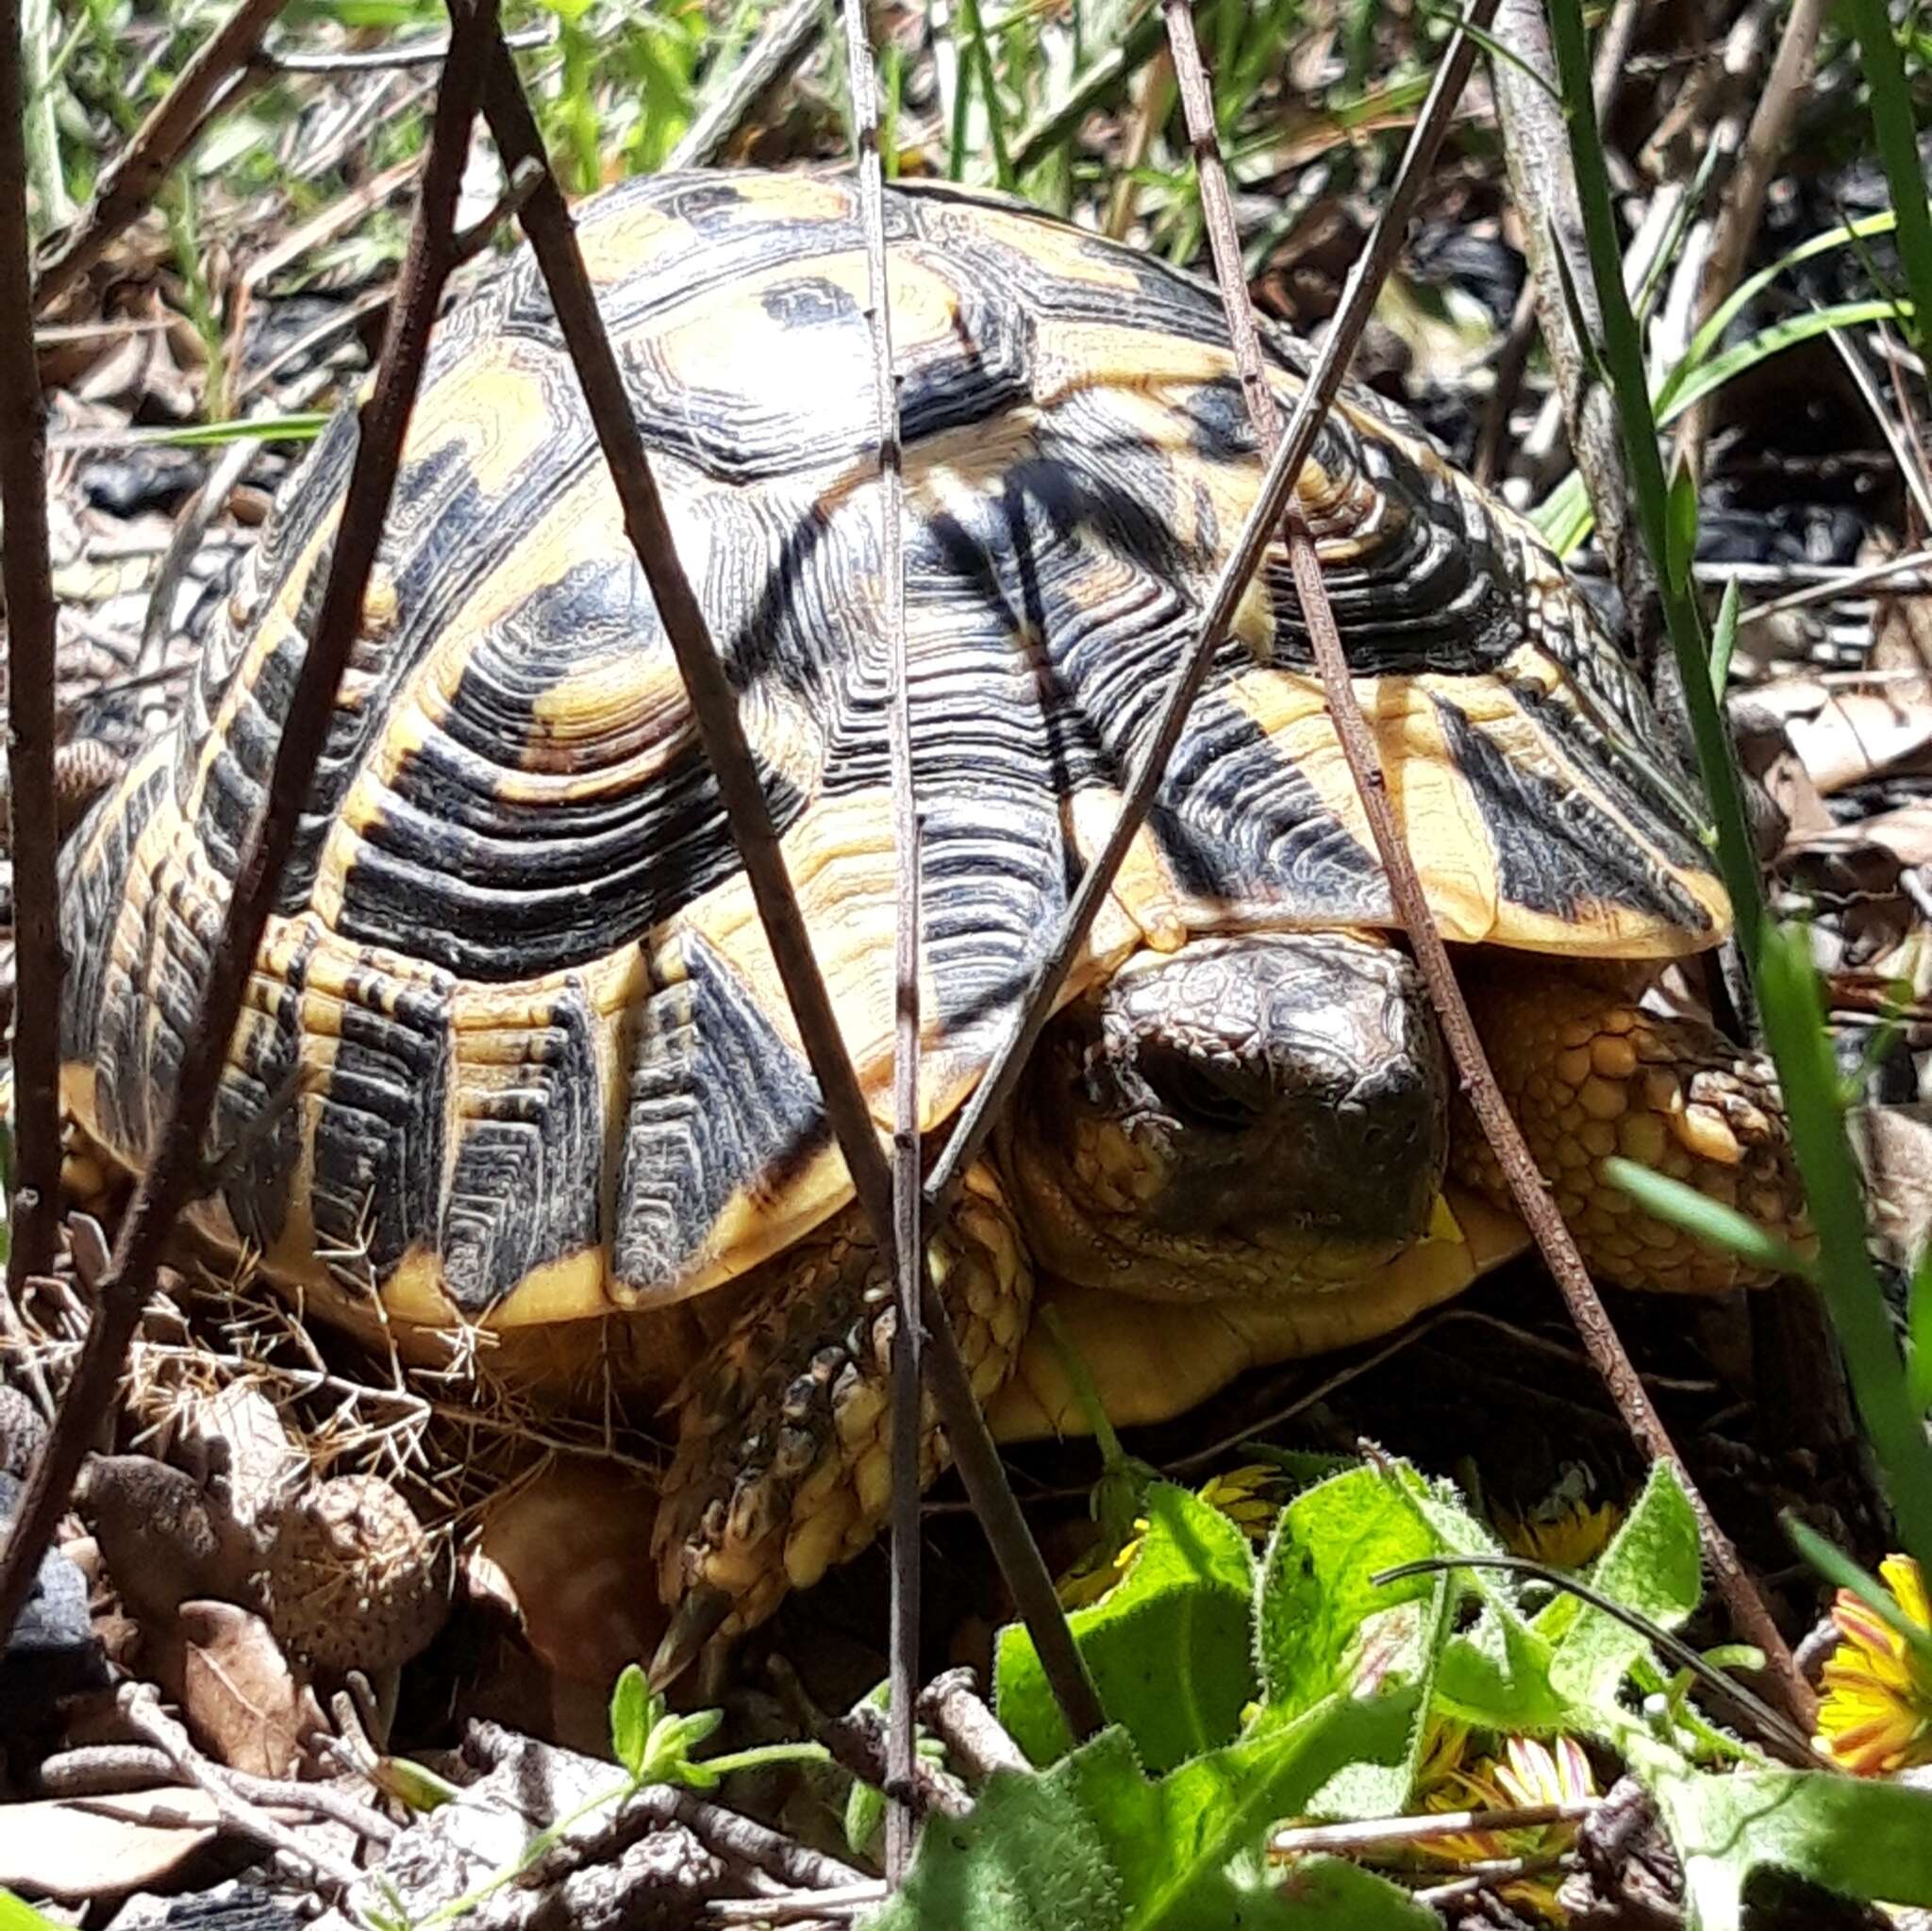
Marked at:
<point>1794,1021</point>
<point>1708,1219</point>
<point>1837,1569</point>
<point>1687,382</point>
<point>1723,639</point>
<point>1919,1334</point>
<point>1781,962</point>
<point>1898,147</point>
<point>1748,290</point>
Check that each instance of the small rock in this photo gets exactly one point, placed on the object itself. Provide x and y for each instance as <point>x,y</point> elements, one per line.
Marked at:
<point>53,1652</point>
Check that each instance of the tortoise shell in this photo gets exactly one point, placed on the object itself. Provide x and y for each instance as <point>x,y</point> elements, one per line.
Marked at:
<point>514,1047</point>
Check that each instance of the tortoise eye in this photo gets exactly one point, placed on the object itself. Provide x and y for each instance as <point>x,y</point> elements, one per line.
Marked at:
<point>1199,1093</point>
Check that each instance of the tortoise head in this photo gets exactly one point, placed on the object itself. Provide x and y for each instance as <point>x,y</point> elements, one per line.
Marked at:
<point>1251,1114</point>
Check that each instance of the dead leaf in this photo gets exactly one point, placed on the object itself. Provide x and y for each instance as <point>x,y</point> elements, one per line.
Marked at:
<point>1906,833</point>
<point>1766,753</point>
<point>1895,1144</point>
<point>1902,634</point>
<point>1855,733</point>
<point>76,1848</point>
<point>246,1705</point>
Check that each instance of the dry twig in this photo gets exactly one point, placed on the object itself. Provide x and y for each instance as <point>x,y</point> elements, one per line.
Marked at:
<point>218,77</point>
<point>1743,202</point>
<point>860,1742</point>
<point>908,1243</point>
<point>1525,1182</point>
<point>137,1702</point>
<point>783,41</point>
<point>1543,186</point>
<point>26,579</point>
<point>106,1770</point>
<point>1375,1833</point>
<point>975,1740</point>
<point>736,1838</point>
<point>175,1171</point>
<point>714,706</point>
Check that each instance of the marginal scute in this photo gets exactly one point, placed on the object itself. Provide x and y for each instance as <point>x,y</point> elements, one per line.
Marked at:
<point>515,1049</point>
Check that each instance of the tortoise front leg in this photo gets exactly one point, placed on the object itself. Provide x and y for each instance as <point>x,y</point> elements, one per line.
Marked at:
<point>783,1463</point>
<point>1588,1073</point>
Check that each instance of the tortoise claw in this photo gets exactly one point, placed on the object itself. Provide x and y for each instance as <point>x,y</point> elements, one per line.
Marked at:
<point>700,1614</point>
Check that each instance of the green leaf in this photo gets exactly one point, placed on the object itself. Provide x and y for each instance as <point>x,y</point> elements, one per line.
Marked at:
<point>1169,1645</point>
<point>1497,1673</point>
<point>1030,1855</point>
<point>630,1720</point>
<point>1654,1567</point>
<point>16,1914</point>
<point>1724,639</point>
<point>1322,1626</point>
<point>1315,1592</point>
<point>1859,1837</point>
<point>1094,1845</point>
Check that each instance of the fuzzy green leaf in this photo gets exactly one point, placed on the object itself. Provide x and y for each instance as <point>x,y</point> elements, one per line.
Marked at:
<point>1860,1838</point>
<point>1169,1646</point>
<point>1092,1845</point>
<point>1315,1592</point>
<point>1654,1567</point>
<point>1495,1673</point>
<point>1322,1626</point>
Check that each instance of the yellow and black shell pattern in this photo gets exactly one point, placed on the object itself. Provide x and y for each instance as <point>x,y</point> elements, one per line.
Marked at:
<point>515,1048</point>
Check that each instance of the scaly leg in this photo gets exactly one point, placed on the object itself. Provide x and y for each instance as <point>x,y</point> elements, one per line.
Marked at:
<point>1588,1073</point>
<point>783,1465</point>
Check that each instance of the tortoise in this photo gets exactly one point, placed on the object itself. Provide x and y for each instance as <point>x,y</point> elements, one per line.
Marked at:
<point>515,1071</point>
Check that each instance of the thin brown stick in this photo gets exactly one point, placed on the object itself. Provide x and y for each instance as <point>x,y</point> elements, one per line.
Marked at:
<point>1265,517</point>
<point>714,706</point>
<point>137,1702</point>
<point>1344,1840</point>
<point>975,1740</point>
<point>106,1770</point>
<point>903,1642</point>
<point>1526,1186</point>
<point>1744,203</point>
<point>175,1172</point>
<point>217,77</point>
<point>1543,185</point>
<point>858,1741</point>
<point>27,585</point>
<point>782,42</point>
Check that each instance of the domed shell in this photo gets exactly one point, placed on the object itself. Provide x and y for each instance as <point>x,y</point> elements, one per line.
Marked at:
<point>515,1048</point>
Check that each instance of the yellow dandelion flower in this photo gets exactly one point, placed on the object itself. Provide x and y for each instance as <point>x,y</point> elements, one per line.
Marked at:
<point>1529,1773</point>
<point>1564,1530</point>
<point>1099,1570</point>
<point>1241,1495</point>
<point>1876,1716</point>
<point>1237,1494</point>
